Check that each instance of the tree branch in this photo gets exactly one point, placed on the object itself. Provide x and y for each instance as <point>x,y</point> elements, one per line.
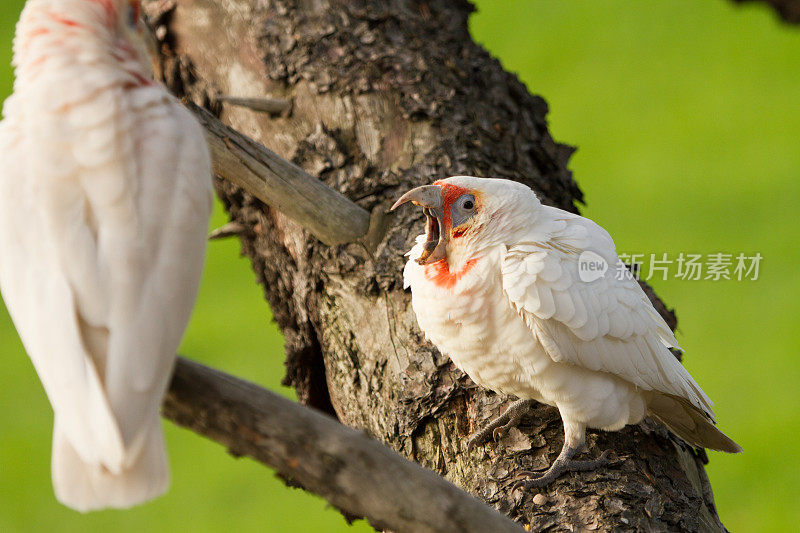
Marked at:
<point>326,213</point>
<point>271,106</point>
<point>355,473</point>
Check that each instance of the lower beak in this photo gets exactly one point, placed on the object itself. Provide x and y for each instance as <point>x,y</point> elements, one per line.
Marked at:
<point>429,197</point>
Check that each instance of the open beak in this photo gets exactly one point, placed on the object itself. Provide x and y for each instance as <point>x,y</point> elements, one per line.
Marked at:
<point>429,197</point>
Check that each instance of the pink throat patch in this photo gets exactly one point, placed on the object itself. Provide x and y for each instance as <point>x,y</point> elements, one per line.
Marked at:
<point>439,273</point>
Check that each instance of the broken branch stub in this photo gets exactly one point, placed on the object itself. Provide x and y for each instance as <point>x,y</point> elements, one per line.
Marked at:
<point>326,213</point>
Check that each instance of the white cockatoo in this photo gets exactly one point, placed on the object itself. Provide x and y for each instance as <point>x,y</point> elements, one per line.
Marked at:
<point>105,197</point>
<point>496,285</point>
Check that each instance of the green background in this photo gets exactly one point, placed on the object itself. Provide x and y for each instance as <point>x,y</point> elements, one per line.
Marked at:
<point>687,116</point>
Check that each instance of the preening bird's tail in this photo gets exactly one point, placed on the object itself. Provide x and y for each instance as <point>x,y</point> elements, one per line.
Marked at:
<point>90,487</point>
<point>689,423</point>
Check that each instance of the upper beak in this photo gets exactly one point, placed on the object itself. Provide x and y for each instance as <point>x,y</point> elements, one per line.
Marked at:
<point>429,197</point>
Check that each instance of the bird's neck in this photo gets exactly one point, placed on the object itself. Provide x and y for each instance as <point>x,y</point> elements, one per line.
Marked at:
<point>460,263</point>
<point>458,256</point>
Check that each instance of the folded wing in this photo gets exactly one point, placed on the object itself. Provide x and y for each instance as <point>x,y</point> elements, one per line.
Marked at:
<point>603,322</point>
<point>102,238</point>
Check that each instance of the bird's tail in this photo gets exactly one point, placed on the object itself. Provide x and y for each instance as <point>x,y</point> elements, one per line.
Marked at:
<point>689,423</point>
<point>90,487</point>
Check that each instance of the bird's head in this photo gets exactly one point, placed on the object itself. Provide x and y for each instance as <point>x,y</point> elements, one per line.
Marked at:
<point>467,215</point>
<point>86,28</point>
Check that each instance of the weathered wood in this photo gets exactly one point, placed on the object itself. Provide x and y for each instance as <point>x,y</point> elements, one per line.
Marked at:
<point>273,106</point>
<point>355,473</point>
<point>231,229</point>
<point>325,212</point>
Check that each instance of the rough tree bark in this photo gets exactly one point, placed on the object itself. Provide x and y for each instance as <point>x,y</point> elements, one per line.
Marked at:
<point>358,475</point>
<point>386,95</point>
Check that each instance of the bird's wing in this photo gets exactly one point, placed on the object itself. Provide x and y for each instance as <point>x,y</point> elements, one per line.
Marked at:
<point>119,187</point>
<point>42,305</point>
<point>153,281</point>
<point>606,324</point>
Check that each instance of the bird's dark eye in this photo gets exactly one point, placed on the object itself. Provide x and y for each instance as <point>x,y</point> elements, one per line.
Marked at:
<point>467,202</point>
<point>462,209</point>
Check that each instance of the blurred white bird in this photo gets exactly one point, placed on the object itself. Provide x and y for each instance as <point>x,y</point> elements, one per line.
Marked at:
<point>496,286</point>
<point>105,196</point>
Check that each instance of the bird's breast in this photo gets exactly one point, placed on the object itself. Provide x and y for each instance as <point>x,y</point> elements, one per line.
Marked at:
<point>440,275</point>
<point>467,316</point>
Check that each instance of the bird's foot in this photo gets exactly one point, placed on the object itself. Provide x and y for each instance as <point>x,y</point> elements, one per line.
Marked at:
<point>561,466</point>
<point>500,425</point>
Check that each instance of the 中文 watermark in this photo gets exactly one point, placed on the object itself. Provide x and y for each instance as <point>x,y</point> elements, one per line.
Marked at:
<point>684,266</point>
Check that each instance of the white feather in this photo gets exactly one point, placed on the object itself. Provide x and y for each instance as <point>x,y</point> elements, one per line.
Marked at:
<point>595,349</point>
<point>596,343</point>
<point>104,204</point>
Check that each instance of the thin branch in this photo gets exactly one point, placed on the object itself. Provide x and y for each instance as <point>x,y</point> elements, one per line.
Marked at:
<point>353,472</point>
<point>272,106</point>
<point>231,229</point>
<point>327,214</point>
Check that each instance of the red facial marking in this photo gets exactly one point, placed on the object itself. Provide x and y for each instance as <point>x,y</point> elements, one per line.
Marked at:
<point>450,193</point>
<point>65,21</point>
<point>107,5</point>
<point>439,273</point>
<point>37,32</point>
